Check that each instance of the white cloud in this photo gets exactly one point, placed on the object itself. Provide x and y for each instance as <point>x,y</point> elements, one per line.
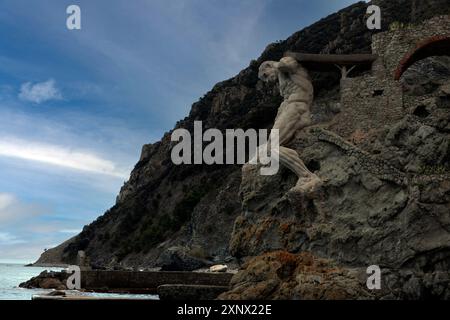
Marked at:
<point>27,228</point>
<point>8,239</point>
<point>39,92</point>
<point>6,200</point>
<point>70,231</point>
<point>241,40</point>
<point>11,209</point>
<point>25,252</point>
<point>58,156</point>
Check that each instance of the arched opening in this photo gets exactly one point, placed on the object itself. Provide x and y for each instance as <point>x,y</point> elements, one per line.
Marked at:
<point>434,46</point>
<point>425,76</point>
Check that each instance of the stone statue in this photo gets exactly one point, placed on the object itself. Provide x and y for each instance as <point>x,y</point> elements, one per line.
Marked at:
<point>293,115</point>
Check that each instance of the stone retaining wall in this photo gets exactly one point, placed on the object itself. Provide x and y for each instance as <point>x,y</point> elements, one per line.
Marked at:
<point>368,103</point>
<point>392,46</point>
<point>376,99</point>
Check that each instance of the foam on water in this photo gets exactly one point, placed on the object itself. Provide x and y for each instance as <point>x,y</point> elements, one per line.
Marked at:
<point>11,275</point>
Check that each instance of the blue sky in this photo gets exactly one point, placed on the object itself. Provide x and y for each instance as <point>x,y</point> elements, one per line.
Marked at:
<point>76,106</point>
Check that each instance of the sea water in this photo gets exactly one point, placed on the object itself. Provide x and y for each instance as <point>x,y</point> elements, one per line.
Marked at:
<point>11,275</point>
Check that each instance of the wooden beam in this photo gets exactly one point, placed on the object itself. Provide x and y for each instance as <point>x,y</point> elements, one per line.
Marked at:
<point>340,59</point>
<point>328,62</point>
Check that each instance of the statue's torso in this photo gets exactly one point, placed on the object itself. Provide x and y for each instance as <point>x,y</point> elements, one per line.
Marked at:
<point>296,87</point>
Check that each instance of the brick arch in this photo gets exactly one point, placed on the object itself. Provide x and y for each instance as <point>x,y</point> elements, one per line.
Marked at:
<point>434,46</point>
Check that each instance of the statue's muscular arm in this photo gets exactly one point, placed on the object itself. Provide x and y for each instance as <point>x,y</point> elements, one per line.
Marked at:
<point>287,65</point>
<point>293,114</point>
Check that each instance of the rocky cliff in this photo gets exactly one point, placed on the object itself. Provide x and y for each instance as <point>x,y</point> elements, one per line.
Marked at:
<point>388,207</point>
<point>185,217</point>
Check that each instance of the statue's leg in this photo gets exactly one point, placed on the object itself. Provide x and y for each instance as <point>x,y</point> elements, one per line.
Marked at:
<point>307,181</point>
<point>290,159</point>
<point>292,117</point>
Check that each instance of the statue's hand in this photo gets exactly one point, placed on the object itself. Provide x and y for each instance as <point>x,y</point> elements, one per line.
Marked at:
<point>287,64</point>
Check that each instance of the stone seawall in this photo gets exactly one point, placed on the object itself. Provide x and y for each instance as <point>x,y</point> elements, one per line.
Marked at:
<point>128,281</point>
<point>148,281</point>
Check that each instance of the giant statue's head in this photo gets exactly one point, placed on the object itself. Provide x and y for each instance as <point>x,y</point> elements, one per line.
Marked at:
<point>268,71</point>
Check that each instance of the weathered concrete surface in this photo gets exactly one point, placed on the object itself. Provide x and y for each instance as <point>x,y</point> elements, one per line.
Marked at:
<point>92,280</point>
<point>190,292</point>
<point>79,298</point>
<point>128,281</point>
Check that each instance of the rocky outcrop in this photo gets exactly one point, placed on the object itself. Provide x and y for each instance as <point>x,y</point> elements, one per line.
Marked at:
<point>47,280</point>
<point>284,276</point>
<point>386,205</point>
<point>281,275</point>
<point>54,257</point>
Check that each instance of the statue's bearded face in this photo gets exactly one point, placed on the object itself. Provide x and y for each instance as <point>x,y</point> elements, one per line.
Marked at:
<point>268,71</point>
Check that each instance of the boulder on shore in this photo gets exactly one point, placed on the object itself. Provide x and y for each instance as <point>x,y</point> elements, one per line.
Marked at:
<point>47,280</point>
